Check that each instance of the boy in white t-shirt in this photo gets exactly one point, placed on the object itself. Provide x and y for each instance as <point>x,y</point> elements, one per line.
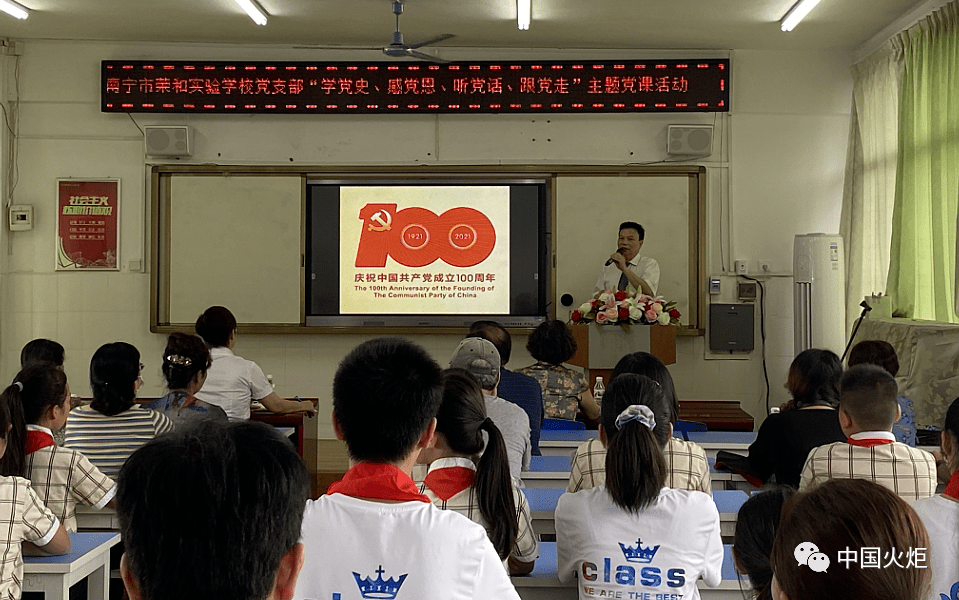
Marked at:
<point>374,535</point>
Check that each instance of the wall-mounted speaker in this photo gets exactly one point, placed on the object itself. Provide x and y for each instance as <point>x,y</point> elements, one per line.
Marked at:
<point>169,140</point>
<point>689,140</point>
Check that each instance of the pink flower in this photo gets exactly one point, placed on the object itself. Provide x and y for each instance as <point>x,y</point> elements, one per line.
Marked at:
<point>610,302</point>
<point>601,317</point>
<point>651,315</point>
<point>612,313</point>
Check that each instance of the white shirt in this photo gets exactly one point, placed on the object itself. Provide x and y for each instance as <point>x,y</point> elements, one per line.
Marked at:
<point>646,268</point>
<point>598,542</point>
<point>426,552</point>
<point>513,422</point>
<point>232,382</point>
<point>941,518</point>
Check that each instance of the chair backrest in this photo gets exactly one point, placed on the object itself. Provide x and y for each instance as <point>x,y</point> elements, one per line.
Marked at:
<point>549,423</point>
<point>684,425</point>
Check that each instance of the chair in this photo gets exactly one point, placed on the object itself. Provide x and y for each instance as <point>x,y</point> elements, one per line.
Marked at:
<point>553,424</point>
<point>683,426</point>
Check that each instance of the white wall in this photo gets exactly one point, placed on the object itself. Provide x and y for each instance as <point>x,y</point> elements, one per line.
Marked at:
<point>775,171</point>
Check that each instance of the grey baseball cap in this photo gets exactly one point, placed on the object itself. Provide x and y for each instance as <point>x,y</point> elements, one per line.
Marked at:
<point>476,355</point>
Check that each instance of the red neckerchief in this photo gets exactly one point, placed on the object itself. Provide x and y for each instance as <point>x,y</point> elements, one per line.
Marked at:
<point>952,490</point>
<point>380,481</point>
<point>868,442</point>
<point>446,482</point>
<point>36,440</point>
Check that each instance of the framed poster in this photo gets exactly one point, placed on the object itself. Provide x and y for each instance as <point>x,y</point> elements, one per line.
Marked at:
<point>88,230</point>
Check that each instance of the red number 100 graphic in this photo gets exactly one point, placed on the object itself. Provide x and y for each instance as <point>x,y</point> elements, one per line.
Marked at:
<point>416,237</point>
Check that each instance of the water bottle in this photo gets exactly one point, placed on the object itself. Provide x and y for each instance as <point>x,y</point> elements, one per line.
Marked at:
<point>599,389</point>
<point>269,379</point>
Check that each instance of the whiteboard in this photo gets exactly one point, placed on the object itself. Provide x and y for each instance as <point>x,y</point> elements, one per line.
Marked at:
<point>236,241</point>
<point>589,210</point>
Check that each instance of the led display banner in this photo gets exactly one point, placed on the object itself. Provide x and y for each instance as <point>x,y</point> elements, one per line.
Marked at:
<point>607,86</point>
<point>438,250</point>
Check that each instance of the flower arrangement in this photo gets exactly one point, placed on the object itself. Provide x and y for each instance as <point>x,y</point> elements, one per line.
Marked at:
<point>616,307</point>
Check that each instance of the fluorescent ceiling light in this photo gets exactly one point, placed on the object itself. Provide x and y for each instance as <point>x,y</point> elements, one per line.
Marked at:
<point>250,6</point>
<point>797,13</point>
<point>522,14</point>
<point>13,9</point>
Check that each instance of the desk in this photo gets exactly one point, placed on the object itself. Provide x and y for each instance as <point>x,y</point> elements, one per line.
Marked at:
<point>714,441</point>
<point>547,472</point>
<point>295,420</point>
<point>91,518</point>
<point>544,584</point>
<point>718,415</point>
<point>89,556</point>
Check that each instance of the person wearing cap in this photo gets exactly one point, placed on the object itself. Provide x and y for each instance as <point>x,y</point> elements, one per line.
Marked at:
<point>480,358</point>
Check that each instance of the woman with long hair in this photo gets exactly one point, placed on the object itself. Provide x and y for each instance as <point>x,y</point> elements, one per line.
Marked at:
<point>633,534</point>
<point>475,482</point>
<point>114,425</point>
<point>686,464</point>
<point>849,516</point>
<point>185,363</point>
<point>812,419</point>
<point>940,515</point>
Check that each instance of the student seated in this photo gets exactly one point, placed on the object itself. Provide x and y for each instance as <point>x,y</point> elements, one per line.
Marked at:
<point>61,477</point>
<point>881,353</point>
<point>565,390</point>
<point>480,358</point>
<point>25,518</point>
<point>475,482</point>
<point>634,534</point>
<point>232,383</point>
<point>808,420</point>
<point>373,532</point>
<point>849,515</point>
<point>213,510</point>
<point>515,387</point>
<point>686,464</point>
<point>756,526</point>
<point>113,415</point>
<point>940,514</point>
<point>185,363</point>
<point>867,410</point>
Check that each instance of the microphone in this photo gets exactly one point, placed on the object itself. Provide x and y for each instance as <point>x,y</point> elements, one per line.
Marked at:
<point>610,261</point>
<point>866,306</point>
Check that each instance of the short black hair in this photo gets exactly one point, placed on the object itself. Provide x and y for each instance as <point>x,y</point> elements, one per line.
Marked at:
<point>210,510</point>
<point>875,352</point>
<point>868,394</point>
<point>633,225</point>
<point>551,342</point>
<point>497,335</point>
<point>114,370</point>
<point>385,392</point>
<point>41,350</point>
<point>215,326</point>
<point>644,363</point>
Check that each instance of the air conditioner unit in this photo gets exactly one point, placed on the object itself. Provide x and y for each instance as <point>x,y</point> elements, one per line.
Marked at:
<point>819,298</point>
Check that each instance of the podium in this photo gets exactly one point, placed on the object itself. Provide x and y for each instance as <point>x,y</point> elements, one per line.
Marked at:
<point>599,347</point>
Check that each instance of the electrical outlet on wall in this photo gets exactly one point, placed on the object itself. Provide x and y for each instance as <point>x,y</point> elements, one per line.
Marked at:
<point>740,266</point>
<point>765,267</point>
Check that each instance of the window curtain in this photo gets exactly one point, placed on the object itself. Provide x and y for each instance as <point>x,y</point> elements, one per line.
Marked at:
<point>922,265</point>
<point>870,181</point>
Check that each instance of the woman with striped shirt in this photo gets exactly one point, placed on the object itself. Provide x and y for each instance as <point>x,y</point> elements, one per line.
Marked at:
<point>113,426</point>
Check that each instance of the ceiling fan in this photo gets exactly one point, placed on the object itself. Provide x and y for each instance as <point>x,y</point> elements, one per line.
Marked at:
<point>397,48</point>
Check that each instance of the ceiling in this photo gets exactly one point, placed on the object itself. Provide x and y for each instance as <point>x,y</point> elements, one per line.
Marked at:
<point>645,24</point>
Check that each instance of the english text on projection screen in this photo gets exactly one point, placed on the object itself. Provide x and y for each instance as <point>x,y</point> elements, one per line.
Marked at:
<point>419,251</point>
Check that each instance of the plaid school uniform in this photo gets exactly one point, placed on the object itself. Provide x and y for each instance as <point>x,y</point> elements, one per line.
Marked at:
<point>466,503</point>
<point>61,477</point>
<point>909,472</point>
<point>686,464</point>
<point>23,517</point>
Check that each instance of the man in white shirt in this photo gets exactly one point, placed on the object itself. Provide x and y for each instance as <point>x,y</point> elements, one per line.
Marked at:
<point>233,382</point>
<point>373,534</point>
<point>480,357</point>
<point>626,268</point>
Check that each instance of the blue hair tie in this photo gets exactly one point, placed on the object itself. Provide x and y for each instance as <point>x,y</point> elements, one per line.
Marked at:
<point>636,412</point>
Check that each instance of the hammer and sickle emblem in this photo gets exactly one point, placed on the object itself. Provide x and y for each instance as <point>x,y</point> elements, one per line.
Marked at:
<point>378,217</point>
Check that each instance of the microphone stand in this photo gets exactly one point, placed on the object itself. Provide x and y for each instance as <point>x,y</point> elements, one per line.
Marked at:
<point>865,308</point>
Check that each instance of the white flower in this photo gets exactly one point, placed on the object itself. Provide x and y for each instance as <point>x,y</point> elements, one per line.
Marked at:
<point>604,297</point>
<point>635,313</point>
<point>585,307</point>
<point>663,318</point>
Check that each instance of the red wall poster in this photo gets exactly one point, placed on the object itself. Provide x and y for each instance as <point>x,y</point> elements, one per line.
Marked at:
<point>88,232</point>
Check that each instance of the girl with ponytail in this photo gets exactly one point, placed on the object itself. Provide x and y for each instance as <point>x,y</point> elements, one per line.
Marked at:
<point>475,482</point>
<point>633,533</point>
<point>186,360</point>
<point>23,514</point>
<point>62,477</point>
<point>940,515</point>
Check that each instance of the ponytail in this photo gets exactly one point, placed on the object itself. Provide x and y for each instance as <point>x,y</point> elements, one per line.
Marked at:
<point>635,465</point>
<point>462,420</point>
<point>36,388</point>
<point>494,491</point>
<point>13,430</point>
